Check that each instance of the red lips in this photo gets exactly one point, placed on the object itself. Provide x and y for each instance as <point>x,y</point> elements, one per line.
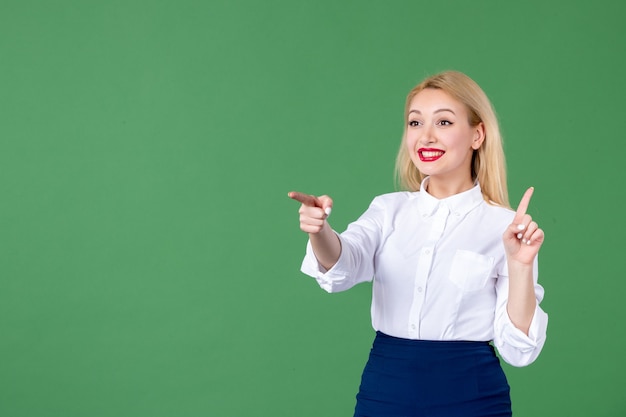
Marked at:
<point>429,154</point>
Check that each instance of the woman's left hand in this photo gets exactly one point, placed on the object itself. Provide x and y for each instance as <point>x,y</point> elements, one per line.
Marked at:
<point>523,238</point>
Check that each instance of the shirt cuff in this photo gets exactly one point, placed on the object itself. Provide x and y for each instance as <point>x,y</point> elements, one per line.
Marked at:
<point>517,348</point>
<point>331,280</point>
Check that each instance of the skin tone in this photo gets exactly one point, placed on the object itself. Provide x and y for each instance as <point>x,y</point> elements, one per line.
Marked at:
<point>441,142</point>
<point>314,213</point>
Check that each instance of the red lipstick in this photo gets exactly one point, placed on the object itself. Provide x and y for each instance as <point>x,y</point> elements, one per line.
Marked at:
<point>429,154</point>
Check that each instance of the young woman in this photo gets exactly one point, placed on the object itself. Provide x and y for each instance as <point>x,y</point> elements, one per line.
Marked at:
<point>453,267</point>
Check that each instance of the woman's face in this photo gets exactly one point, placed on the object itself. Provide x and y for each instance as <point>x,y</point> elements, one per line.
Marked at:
<point>439,138</point>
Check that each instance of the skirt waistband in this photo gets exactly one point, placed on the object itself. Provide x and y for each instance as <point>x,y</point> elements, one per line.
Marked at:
<point>385,338</point>
<point>439,348</point>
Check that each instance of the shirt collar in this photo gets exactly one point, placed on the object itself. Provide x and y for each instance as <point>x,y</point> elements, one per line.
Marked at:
<point>460,204</point>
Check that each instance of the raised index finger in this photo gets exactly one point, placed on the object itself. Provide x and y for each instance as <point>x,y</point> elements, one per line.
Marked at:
<point>306,199</point>
<point>523,204</point>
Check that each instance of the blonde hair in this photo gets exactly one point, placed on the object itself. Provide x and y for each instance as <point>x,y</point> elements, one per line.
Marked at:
<point>488,162</point>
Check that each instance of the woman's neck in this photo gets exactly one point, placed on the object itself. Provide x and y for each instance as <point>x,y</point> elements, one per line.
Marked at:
<point>441,189</point>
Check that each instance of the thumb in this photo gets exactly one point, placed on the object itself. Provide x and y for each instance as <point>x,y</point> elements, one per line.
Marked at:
<point>326,204</point>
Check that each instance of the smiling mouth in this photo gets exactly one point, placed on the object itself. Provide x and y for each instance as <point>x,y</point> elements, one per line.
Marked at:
<point>429,155</point>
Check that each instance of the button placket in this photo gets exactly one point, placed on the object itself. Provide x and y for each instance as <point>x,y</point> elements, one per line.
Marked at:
<point>424,266</point>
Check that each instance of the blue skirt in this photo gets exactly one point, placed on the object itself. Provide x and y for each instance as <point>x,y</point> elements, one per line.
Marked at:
<point>432,378</point>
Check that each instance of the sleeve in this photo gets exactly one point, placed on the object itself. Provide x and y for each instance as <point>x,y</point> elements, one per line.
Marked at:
<point>514,346</point>
<point>359,244</point>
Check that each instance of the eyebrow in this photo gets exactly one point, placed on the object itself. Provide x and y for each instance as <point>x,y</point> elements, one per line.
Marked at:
<point>436,111</point>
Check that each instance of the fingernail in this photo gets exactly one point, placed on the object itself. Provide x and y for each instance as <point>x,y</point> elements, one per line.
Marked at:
<point>521,227</point>
<point>327,211</point>
<point>528,242</point>
<point>519,235</point>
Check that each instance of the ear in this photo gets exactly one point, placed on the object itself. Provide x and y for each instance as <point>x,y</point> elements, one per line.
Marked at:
<point>479,136</point>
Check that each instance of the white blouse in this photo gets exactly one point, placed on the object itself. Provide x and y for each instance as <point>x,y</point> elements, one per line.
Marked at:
<point>439,271</point>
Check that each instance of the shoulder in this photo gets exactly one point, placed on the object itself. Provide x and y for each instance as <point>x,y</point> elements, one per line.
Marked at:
<point>498,213</point>
<point>395,199</point>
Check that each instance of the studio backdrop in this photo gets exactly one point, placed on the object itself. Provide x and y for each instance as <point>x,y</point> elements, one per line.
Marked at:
<point>149,255</point>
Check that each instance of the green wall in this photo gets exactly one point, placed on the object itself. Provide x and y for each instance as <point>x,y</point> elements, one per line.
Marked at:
<point>149,255</point>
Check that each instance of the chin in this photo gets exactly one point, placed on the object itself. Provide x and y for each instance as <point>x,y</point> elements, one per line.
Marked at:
<point>425,170</point>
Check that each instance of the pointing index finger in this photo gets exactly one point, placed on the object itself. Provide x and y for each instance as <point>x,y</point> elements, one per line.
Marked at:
<point>306,199</point>
<point>523,204</point>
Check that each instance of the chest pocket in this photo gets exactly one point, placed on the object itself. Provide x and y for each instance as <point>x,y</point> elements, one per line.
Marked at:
<point>470,271</point>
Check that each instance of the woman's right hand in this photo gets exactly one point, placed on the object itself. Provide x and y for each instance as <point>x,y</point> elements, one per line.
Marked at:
<point>313,212</point>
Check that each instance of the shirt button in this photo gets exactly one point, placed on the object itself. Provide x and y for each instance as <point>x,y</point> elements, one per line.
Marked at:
<point>419,289</point>
<point>412,327</point>
<point>457,214</point>
<point>424,215</point>
<point>427,251</point>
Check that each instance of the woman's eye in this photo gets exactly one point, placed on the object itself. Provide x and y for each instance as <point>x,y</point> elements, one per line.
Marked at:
<point>414,123</point>
<point>445,123</point>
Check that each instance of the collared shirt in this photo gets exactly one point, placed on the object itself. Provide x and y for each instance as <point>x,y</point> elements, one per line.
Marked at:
<point>438,268</point>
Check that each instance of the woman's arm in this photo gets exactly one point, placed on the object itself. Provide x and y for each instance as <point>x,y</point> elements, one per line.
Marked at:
<point>522,301</point>
<point>314,213</point>
<point>522,241</point>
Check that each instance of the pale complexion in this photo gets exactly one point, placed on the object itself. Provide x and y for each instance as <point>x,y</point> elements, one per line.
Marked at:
<point>441,141</point>
<point>313,220</point>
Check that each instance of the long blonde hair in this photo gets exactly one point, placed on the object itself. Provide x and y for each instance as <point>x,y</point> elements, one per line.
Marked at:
<point>488,162</point>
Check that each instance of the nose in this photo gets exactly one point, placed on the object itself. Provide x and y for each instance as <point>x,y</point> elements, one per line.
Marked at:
<point>428,135</point>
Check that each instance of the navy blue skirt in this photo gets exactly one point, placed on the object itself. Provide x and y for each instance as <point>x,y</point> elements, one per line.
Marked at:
<point>432,378</point>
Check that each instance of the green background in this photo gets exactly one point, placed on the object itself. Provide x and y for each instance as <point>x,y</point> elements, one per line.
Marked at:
<point>149,255</point>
